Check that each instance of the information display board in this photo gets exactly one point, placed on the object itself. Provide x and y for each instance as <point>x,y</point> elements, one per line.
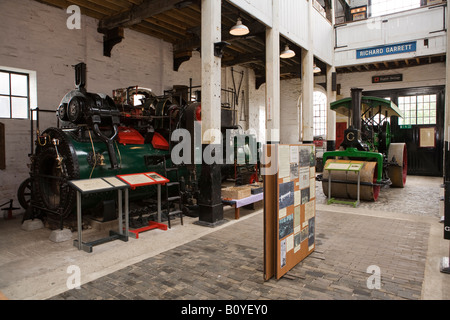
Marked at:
<point>86,186</point>
<point>143,179</point>
<point>290,207</point>
<point>89,186</point>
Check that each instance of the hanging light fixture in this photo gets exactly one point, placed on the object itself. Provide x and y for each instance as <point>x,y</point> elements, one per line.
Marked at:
<point>316,69</point>
<point>287,53</point>
<point>239,29</point>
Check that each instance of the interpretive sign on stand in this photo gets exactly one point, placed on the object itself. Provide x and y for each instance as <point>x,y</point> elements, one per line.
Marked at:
<point>290,207</point>
<point>88,186</point>
<point>135,180</point>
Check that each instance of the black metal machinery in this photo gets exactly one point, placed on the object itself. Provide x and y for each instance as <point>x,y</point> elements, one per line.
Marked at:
<point>130,132</point>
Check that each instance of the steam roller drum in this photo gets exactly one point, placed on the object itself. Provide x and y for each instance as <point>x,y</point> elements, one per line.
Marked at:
<point>397,173</point>
<point>368,175</point>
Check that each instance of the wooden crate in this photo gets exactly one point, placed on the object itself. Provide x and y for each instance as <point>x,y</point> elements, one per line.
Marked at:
<point>257,187</point>
<point>236,193</point>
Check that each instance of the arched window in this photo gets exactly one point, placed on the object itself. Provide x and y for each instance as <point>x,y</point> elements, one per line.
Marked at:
<point>320,113</point>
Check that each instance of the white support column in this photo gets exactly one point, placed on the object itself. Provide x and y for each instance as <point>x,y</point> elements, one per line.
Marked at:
<point>331,96</point>
<point>447,90</point>
<point>273,78</point>
<point>331,115</point>
<point>211,70</point>
<point>209,201</point>
<point>444,264</point>
<point>308,84</point>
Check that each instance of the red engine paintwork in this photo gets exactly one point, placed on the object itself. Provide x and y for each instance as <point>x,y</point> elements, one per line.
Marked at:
<point>129,136</point>
<point>159,142</point>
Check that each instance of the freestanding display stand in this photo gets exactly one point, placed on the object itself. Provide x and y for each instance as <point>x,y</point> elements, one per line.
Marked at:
<point>136,180</point>
<point>347,167</point>
<point>87,186</point>
<point>289,207</point>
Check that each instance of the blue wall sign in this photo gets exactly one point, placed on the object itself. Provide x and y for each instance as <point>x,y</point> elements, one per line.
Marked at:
<point>386,50</point>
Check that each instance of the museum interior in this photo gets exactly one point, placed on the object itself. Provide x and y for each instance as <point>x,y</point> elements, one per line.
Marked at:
<point>224,150</point>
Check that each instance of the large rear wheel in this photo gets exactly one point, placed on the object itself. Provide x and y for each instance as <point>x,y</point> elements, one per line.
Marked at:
<point>398,172</point>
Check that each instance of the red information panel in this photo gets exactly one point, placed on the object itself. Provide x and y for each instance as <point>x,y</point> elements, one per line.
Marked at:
<point>143,179</point>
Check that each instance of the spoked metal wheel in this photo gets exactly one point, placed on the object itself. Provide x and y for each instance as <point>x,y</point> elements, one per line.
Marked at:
<point>24,193</point>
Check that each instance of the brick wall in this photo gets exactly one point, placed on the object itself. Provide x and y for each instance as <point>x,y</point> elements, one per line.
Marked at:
<point>290,91</point>
<point>413,77</point>
<point>416,76</point>
<point>35,37</point>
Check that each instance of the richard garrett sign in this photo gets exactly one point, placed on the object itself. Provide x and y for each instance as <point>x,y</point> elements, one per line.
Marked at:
<point>386,50</point>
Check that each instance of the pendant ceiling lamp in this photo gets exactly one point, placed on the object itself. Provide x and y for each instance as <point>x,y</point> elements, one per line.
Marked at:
<point>287,53</point>
<point>239,29</point>
<point>316,69</point>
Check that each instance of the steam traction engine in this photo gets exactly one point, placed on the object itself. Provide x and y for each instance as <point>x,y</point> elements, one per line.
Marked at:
<point>366,141</point>
<point>100,136</point>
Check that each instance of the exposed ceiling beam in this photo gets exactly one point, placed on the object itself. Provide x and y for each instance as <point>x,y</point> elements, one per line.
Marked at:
<point>242,59</point>
<point>100,8</point>
<point>178,22</point>
<point>137,14</point>
<point>192,43</point>
<point>294,71</point>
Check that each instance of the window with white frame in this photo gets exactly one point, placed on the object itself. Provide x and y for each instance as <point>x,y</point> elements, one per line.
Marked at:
<point>320,113</point>
<point>418,110</point>
<point>382,7</point>
<point>14,95</point>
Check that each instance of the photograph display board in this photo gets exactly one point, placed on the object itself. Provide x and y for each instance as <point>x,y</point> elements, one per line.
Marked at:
<point>290,208</point>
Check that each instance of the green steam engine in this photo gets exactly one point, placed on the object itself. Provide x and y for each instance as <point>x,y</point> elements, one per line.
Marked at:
<point>100,136</point>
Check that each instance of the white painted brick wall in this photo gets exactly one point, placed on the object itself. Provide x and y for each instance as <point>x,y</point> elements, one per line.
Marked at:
<point>257,107</point>
<point>34,37</point>
<point>417,76</point>
<point>290,91</point>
